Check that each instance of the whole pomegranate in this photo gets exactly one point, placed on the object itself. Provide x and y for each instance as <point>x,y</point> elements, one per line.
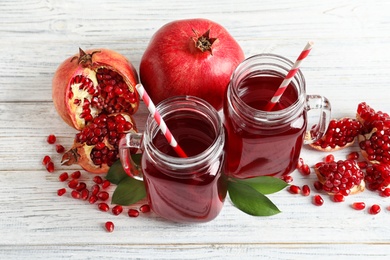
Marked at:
<point>94,82</point>
<point>190,57</point>
<point>94,92</point>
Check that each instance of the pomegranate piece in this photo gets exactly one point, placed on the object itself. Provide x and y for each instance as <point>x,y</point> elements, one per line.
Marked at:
<point>377,177</point>
<point>359,205</point>
<point>109,226</point>
<point>92,83</point>
<point>370,118</point>
<point>96,146</point>
<point>374,209</point>
<point>318,200</point>
<point>375,146</point>
<point>340,134</point>
<point>51,139</point>
<point>341,177</point>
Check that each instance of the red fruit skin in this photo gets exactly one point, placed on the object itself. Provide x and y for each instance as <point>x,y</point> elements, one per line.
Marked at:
<point>172,65</point>
<point>68,69</point>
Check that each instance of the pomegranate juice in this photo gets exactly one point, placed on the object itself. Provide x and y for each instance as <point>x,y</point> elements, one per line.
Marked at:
<point>192,194</point>
<point>263,148</point>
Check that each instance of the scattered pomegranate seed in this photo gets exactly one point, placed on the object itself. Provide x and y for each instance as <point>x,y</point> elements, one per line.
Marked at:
<point>46,160</point>
<point>109,226</point>
<point>75,194</point>
<point>116,210</point>
<point>60,148</point>
<point>84,194</point>
<point>288,178</point>
<point>318,185</point>
<point>305,190</point>
<point>50,167</point>
<point>329,158</point>
<point>95,189</point>
<point>75,175</point>
<point>358,205</point>
<point>97,180</point>
<point>304,170</point>
<point>353,156</point>
<point>103,207</point>
<point>144,208</point>
<point>51,139</point>
<point>375,209</point>
<point>362,165</point>
<point>63,177</point>
<point>133,213</point>
<point>61,192</point>
<point>106,184</point>
<point>294,189</point>
<point>318,200</point>
<point>300,163</point>
<point>73,183</point>
<point>103,195</point>
<point>92,199</point>
<point>338,198</point>
<point>81,186</point>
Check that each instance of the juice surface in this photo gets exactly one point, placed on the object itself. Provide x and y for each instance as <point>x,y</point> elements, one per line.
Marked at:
<point>195,198</point>
<point>272,150</point>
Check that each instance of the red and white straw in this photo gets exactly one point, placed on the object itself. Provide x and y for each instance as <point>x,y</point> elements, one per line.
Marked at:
<point>160,122</point>
<point>305,52</point>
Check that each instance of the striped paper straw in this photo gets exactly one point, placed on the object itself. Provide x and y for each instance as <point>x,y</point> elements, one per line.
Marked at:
<point>160,122</point>
<point>289,77</point>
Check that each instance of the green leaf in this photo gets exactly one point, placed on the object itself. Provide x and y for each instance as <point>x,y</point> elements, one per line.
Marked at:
<point>128,191</point>
<point>264,184</point>
<point>250,201</point>
<point>116,172</point>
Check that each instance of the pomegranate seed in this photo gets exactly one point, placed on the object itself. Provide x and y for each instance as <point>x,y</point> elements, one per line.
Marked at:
<point>288,178</point>
<point>305,190</point>
<point>358,205</point>
<point>84,194</point>
<point>301,162</point>
<point>73,183</point>
<point>51,139</point>
<point>116,210</point>
<point>318,200</point>
<point>92,199</point>
<point>103,207</point>
<point>63,176</point>
<point>375,209</point>
<point>61,192</point>
<point>294,189</point>
<point>385,192</point>
<point>95,189</point>
<point>81,186</point>
<point>109,226</point>
<point>46,160</point>
<point>318,185</point>
<point>103,195</point>
<point>338,198</point>
<point>60,148</point>
<point>133,213</point>
<point>144,208</point>
<point>353,156</point>
<point>363,164</point>
<point>106,184</point>
<point>97,180</point>
<point>304,170</point>
<point>50,167</point>
<point>75,194</point>
<point>75,175</point>
<point>329,158</point>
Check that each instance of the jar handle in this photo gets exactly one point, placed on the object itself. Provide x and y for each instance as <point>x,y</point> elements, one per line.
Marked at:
<point>128,144</point>
<point>317,131</point>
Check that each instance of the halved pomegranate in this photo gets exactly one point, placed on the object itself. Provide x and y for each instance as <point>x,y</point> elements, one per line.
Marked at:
<point>95,147</point>
<point>94,82</point>
<point>341,133</point>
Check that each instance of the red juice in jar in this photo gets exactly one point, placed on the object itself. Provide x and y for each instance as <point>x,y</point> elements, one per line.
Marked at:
<point>186,189</point>
<point>263,148</point>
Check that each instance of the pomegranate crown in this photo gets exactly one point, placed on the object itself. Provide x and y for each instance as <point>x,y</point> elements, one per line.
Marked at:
<point>203,42</point>
<point>85,59</point>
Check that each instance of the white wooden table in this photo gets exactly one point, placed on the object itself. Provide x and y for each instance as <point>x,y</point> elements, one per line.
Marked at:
<point>349,63</point>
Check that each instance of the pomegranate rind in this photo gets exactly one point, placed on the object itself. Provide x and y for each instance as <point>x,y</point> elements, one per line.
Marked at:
<point>70,68</point>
